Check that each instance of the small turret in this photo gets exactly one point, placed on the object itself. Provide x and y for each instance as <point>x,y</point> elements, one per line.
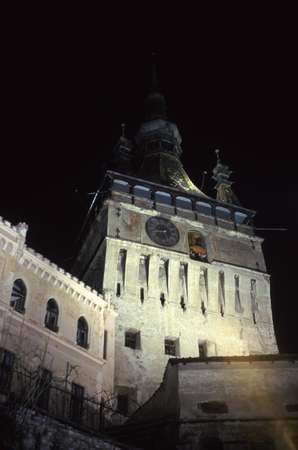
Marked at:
<point>122,156</point>
<point>221,174</point>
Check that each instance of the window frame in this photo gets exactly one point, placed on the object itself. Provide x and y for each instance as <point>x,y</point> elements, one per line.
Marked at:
<point>49,316</point>
<point>84,343</point>
<point>19,305</point>
<point>132,339</point>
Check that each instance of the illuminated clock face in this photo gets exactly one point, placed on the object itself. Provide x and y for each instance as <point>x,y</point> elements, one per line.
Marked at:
<point>162,231</point>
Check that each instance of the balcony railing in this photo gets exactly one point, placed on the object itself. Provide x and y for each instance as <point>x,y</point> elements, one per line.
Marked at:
<point>170,200</point>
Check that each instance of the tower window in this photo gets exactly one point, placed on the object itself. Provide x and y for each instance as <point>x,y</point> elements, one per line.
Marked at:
<point>238,307</point>
<point>51,317</point>
<point>105,344</point>
<point>202,349</point>
<point>162,299</point>
<point>253,297</point>
<point>82,333</point>
<point>197,246</point>
<point>171,347</point>
<point>18,296</point>
<point>133,339</point>
<point>221,292</point>
<point>142,294</point>
<point>182,303</point>
<point>118,290</point>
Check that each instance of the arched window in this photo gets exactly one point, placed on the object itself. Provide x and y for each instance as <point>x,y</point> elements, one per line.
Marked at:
<point>197,246</point>
<point>18,296</point>
<point>82,333</point>
<point>51,317</point>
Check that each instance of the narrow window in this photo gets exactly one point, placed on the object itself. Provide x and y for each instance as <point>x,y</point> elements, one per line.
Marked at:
<point>253,298</point>
<point>76,402</point>
<point>163,275</point>
<point>133,340</point>
<point>122,404</point>
<point>202,349</point>
<point>197,246</point>
<point>105,344</point>
<point>7,360</point>
<point>221,292</point>
<point>238,307</point>
<point>142,295</point>
<point>51,317</point>
<point>118,290</point>
<point>82,333</point>
<point>44,388</point>
<point>162,299</point>
<point>182,303</point>
<point>18,296</point>
<point>183,271</point>
<point>171,347</point>
<point>121,267</point>
<point>203,289</point>
<point>144,270</point>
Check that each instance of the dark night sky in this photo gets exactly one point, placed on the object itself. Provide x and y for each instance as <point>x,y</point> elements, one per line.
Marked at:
<point>69,81</point>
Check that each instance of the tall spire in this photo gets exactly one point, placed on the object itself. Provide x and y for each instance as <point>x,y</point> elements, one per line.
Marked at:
<point>154,78</point>
<point>155,103</point>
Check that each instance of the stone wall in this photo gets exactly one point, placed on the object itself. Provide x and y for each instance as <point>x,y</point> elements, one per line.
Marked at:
<point>231,332</point>
<point>236,403</point>
<point>44,433</point>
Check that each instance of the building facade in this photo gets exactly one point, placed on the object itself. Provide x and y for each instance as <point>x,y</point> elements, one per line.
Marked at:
<point>185,272</point>
<point>52,326</point>
<point>164,272</point>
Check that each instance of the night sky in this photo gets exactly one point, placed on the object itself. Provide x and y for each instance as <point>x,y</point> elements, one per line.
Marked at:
<point>70,81</point>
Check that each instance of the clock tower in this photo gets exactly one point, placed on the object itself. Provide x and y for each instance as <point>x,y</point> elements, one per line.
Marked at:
<point>185,272</point>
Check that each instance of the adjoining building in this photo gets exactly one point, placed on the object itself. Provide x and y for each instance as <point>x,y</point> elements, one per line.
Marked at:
<point>221,403</point>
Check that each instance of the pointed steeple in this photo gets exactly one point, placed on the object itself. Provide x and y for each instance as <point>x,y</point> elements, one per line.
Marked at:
<point>158,144</point>
<point>155,102</point>
<point>221,174</point>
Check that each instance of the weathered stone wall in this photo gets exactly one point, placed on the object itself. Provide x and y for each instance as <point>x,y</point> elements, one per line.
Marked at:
<point>224,245</point>
<point>257,395</point>
<point>44,433</point>
<point>238,401</point>
<point>233,333</point>
<point>25,333</point>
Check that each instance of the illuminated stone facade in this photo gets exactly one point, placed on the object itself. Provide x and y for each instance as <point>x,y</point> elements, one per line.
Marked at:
<point>185,272</point>
<point>217,306</point>
<point>38,336</point>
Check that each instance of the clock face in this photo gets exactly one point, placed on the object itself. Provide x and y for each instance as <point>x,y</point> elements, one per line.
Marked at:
<point>162,231</point>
